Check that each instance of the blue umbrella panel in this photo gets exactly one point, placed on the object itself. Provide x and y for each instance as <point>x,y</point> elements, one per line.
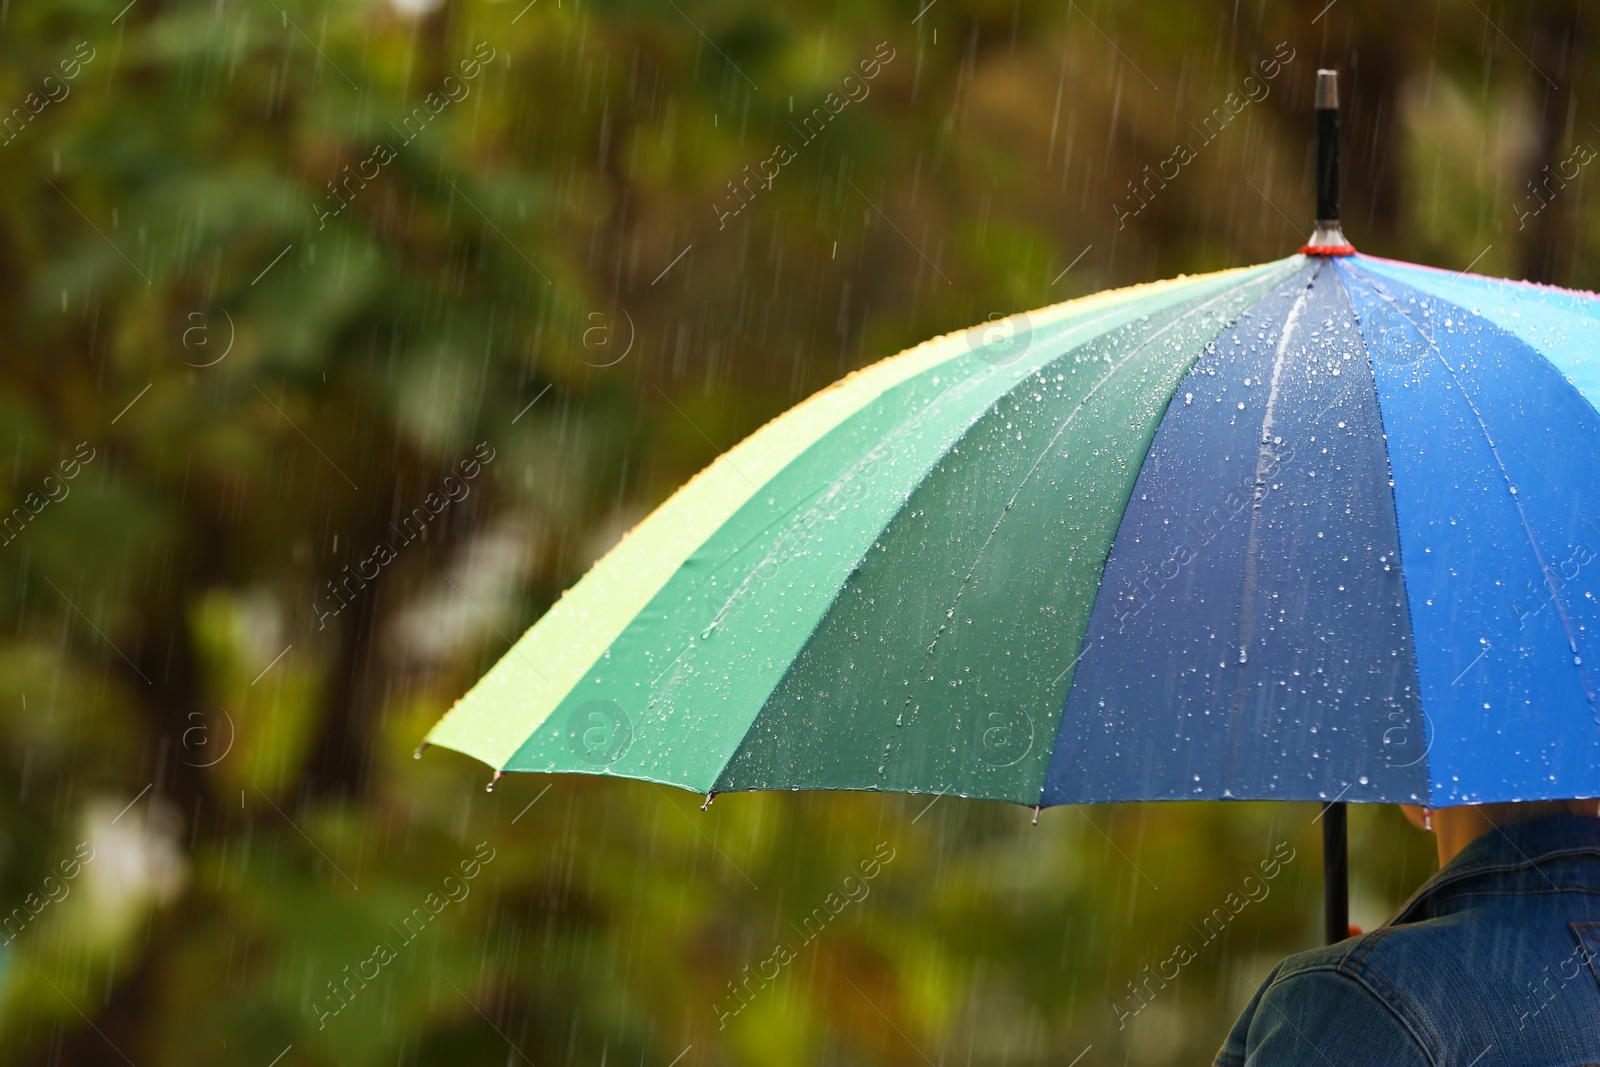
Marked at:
<point>1360,560</point>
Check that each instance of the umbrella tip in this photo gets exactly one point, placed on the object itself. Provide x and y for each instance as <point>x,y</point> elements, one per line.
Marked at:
<point>1327,88</point>
<point>709,798</point>
<point>497,776</point>
<point>420,749</point>
<point>1036,809</point>
<point>1328,239</point>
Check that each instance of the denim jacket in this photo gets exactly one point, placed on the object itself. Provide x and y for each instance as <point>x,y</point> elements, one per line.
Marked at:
<point>1495,962</point>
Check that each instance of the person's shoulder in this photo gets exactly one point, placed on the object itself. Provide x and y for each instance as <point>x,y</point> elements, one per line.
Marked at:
<point>1335,1004</point>
<point>1411,956</point>
<point>1398,967</point>
<point>1382,952</point>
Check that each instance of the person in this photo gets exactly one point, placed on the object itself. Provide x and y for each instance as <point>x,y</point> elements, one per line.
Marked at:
<point>1494,961</point>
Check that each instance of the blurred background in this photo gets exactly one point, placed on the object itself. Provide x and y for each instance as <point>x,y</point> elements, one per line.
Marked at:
<point>273,268</point>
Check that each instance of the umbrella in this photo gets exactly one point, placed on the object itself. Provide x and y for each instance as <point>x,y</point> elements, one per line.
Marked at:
<point>1325,529</point>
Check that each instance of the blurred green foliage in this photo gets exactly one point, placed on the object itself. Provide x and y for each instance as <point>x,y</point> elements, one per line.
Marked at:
<point>266,384</point>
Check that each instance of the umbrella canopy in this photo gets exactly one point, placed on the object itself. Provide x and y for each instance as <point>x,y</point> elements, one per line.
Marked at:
<point>1323,529</point>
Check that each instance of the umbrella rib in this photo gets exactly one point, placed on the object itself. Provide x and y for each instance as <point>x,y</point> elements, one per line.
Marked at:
<point>1039,460</point>
<point>1527,531</point>
<point>1088,328</point>
<point>1522,516</point>
<point>798,526</point>
<point>1251,578</point>
<point>1090,324</point>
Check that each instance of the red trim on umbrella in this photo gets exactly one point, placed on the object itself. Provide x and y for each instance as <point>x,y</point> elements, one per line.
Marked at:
<point>1328,250</point>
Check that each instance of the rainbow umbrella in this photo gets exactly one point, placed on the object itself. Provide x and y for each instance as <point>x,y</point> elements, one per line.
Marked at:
<point>1326,529</point>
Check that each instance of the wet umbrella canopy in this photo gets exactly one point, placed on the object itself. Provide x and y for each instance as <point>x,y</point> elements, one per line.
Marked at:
<point>1277,533</point>
<point>1326,529</point>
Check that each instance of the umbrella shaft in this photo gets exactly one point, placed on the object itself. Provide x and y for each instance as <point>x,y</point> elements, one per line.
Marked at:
<point>1327,164</point>
<point>1335,874</point>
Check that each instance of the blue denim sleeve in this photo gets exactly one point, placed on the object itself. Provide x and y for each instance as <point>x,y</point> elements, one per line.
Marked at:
<point>1315,1017</point>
